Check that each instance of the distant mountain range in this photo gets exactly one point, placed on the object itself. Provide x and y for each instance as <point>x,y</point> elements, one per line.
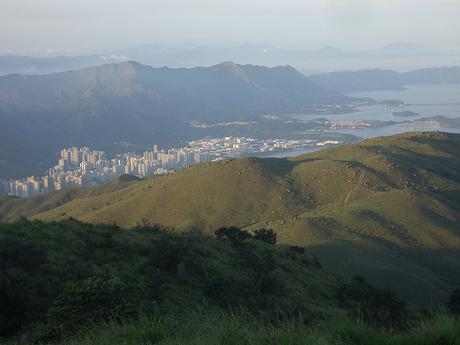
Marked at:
<point>378,79</point>
<point>10,64</point>
<point>157,54</point>
<point>399,56</point>
<point>387,208</point>
<point>139,104</point>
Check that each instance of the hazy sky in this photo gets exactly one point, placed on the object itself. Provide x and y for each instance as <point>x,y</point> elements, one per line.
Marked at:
<point>100,25</point>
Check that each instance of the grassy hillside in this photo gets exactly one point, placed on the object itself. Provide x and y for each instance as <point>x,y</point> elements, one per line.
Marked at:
<point>387,208</point>
<point>13,208</point>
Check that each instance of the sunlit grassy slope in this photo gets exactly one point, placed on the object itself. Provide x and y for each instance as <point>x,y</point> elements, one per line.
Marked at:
<point>388,208</point>
<point>12,208</point>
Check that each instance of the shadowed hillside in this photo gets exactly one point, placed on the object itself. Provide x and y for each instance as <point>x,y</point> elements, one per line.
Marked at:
<point>388,208</point>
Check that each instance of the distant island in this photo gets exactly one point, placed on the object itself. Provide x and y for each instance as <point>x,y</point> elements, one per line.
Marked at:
<point>405,113</point>
<point>391,103</point>
<point>445,122</point>
<point>380,79</point>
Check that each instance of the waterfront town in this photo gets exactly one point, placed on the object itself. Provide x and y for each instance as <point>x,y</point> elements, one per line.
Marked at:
<point>81,167</point>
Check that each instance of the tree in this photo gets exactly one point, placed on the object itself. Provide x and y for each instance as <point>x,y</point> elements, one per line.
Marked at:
<point>454,302</point>
<point>235,235</point>
<point>265,235</point>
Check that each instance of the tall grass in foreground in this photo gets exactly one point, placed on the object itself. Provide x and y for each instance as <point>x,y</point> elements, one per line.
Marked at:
<point>236,329</point>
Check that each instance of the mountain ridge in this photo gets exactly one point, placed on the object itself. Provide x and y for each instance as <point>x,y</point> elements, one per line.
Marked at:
<point>90,80</point>
<point>131,102</point>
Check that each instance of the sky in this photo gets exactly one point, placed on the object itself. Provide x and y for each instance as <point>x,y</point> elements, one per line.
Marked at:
<point>60,26</point>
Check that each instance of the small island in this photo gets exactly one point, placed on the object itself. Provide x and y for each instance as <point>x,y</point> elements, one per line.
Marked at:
<point>391,103</point>
<point>405,113</point>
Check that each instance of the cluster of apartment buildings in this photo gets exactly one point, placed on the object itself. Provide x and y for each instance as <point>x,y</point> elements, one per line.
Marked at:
<point>80,167</point>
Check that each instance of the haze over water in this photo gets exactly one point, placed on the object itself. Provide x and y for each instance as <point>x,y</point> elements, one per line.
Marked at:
<point>425,100</point>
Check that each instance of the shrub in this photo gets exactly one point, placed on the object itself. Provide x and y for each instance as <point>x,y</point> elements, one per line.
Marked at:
<point>369,304</point>
<point>387,308</point>
<point>265,235</point>
<point>89,301</point>
<point>297,249</point>
<point>235,235</point>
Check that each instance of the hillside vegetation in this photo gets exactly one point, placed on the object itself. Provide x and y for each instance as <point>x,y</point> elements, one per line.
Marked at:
<point>56,278</point>
<point>387,208</point>
<point>74,283</point>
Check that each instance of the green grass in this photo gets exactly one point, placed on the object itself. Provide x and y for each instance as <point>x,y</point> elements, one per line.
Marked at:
<point>240,329</point>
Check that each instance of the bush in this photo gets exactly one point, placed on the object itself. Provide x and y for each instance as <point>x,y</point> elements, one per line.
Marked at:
<point>235,235</point>
<point>369,304</point>
<point>387,309</point>
<point>297,249</point>
<point>90,301</point>
<point>266,235</point>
